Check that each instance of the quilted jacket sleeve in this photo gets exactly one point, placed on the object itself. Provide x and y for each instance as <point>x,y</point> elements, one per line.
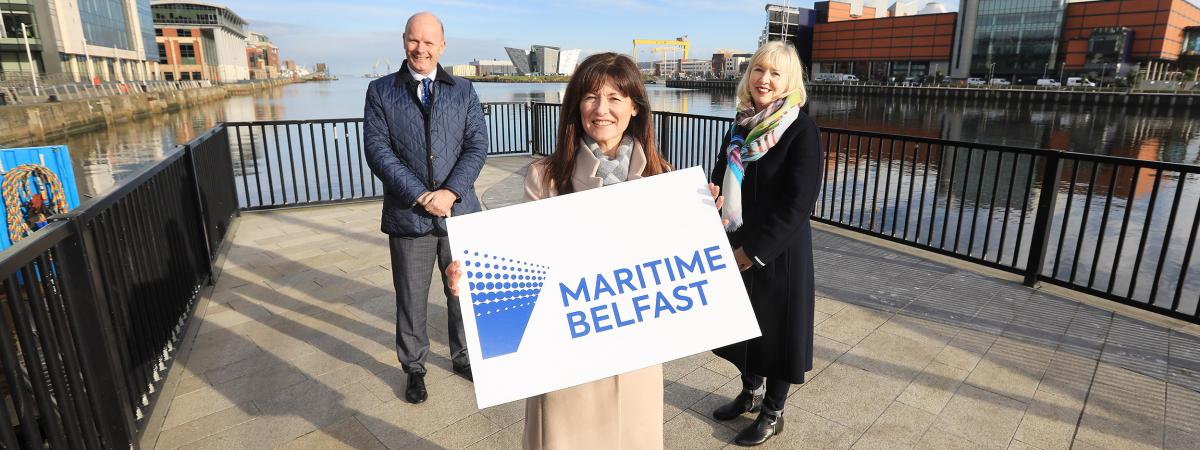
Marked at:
<point>474,150</point>
<point>397,178</point>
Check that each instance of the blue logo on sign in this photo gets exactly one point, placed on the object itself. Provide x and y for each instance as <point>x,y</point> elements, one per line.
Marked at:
<point>503,294</point>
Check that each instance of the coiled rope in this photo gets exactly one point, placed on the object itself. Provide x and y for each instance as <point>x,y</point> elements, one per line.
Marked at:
<point>21,187</point>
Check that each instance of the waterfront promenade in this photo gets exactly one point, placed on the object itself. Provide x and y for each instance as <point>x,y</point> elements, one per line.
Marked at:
<point>294,348</point>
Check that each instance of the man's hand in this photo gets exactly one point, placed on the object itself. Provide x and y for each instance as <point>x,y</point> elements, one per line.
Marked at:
<point>438,202</point>
<point>423,198</point>
<point>743,261</point>
<point>453,274</point>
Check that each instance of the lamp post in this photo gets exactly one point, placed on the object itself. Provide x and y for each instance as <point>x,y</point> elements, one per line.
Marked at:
<point>29,54</point>
<point>1045,68</point>
<point>991,72</point>
<point>1103,71</point>
<point>87,56</point>
<point>3,31</point>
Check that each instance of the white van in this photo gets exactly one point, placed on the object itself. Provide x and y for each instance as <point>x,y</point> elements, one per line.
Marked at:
<point>1077,81</point>
<point>999,82</point>
<point>849,77</point>
<point>975,81</point>
<point>1048,82</point>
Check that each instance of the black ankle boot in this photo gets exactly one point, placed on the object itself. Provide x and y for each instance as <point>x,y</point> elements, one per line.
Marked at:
<point>743,403</point>
<point>768,424</point>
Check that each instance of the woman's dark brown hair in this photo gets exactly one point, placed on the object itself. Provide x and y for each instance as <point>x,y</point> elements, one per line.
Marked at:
<point>589,77</point>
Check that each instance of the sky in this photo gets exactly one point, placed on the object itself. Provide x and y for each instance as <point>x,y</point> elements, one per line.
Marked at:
<point>351,35</point>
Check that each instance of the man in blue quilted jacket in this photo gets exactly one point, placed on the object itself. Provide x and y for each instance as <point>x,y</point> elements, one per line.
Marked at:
<point>426,140</point>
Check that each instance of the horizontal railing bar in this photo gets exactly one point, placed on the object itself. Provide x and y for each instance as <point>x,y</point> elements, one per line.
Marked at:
<point>938,250</point>
<point>293,122</point>
<point>695,116</point>
<point>1119,299</point>
<point>31,248</point>
<point>308,204</point>
<point>91,207</point>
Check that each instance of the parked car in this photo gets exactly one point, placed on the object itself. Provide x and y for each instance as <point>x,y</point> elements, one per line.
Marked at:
<point>975,81</point>
<point>1048,82</point>
<point>999,82</point>
<point>849,77</point>
<point>828,77</point>
<point>1081,82</point>
<point>911,81</point>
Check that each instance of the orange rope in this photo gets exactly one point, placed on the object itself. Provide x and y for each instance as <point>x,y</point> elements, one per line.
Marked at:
<point>18,188</point>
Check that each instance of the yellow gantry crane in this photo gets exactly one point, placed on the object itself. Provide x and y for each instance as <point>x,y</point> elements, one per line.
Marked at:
<point>681,42</point>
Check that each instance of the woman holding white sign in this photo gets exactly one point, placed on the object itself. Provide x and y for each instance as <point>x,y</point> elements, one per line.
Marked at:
<point>769,169</point>
<point>605,137</point>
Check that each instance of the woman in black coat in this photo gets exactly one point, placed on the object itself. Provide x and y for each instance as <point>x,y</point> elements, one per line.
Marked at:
<point>774,148</point>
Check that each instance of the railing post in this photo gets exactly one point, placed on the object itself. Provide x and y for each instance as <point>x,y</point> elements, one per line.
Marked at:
<point>89,315</point>
<point>529,126</point>
<point>190,157</point>
<point>1047,199</point>
<point>536,122</point>
<point>664,134</point>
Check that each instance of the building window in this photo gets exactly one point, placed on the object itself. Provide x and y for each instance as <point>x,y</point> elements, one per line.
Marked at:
<point>169,76</point>
<point>187,54</point>
<point>12,24</point>
<point>158,32</point>
<point>196,75</point>
<point>162,53</point>
<point>1191,41</point>
<point>184,32</point>
<point>183,76</point>
<point>105,23</point>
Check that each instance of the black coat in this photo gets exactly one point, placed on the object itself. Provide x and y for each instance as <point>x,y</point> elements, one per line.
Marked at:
<point>778,195</point>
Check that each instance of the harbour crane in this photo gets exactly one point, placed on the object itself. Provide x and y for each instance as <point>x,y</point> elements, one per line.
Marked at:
<point>681,42</point>
<point>383,60</point>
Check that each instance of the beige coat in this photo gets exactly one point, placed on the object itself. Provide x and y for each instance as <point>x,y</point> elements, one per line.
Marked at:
<point>619,412</point>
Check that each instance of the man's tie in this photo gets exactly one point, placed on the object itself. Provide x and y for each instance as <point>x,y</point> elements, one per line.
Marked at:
<point>426,92</point>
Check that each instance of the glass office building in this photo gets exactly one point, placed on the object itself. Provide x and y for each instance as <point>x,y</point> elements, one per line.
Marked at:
<point>1020,37</point>
<point>146,20</point>
<point>105,23</point>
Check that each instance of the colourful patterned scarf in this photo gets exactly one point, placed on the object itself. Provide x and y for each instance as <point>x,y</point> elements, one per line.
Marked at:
<point>765,127</point>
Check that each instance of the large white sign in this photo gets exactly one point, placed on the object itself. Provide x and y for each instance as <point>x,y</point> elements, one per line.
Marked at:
<point>575,288</point>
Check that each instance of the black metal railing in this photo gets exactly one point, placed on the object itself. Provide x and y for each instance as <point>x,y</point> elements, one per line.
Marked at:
<point>509,128</point>
<point>1096,224</point>
<point>284,163</point>
<point>95,303</point>
<point>1064,218</point>
<point>300,162</point>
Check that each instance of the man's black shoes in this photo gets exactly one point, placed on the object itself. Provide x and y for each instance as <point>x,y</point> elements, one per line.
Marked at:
<point>743,403</point>
<point>768,424</point>
<point>464,371</point>
<point>415,392</point>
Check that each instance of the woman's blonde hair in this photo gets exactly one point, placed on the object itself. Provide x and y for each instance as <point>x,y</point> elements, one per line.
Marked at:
<point>782,57</point>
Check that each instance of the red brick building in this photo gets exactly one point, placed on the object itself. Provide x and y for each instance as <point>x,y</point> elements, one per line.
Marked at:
<point>879,49</point>
<point>835,11</point>
<point>181,54</point>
